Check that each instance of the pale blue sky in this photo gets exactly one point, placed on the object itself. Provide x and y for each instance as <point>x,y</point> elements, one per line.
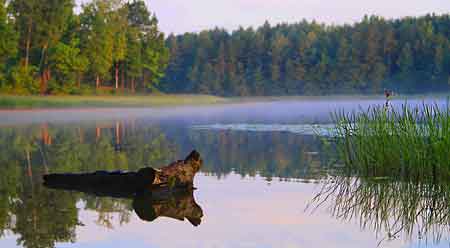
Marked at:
<point>179,16</point>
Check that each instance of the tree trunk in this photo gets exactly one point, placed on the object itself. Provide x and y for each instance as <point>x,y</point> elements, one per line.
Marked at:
<point>28,44</point>
<point>97,81</point>
<point>132,86</point>
<point>117,75</point>
<point>45,77</point>
<point>78,76</point>
<point>123,79</point>
<point>41,85</point>
<point>143,80</point>
<point>45,74</point>
<point>117,132</point>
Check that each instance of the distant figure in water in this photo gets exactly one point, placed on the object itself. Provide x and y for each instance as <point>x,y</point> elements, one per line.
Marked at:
<point>388,94</point>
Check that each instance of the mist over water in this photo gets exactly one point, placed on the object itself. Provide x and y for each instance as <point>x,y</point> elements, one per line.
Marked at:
<point>263,166</point>
<point>316,111</point>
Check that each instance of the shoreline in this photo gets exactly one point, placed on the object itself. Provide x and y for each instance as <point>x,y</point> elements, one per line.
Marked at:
<point>11,103</point>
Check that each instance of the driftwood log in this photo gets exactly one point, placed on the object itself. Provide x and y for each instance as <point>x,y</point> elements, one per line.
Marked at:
<point>179,174</point>
<point>164,192</point>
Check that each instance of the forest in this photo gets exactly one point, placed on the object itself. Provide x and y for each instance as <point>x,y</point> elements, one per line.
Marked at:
<point>48,48</point>
<point>115,46</point>
<point>408,55</point>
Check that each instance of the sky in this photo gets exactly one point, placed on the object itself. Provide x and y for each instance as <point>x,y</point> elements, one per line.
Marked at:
<point>180,16</point>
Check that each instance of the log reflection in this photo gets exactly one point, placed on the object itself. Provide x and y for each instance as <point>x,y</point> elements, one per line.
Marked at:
<point>177,204</point>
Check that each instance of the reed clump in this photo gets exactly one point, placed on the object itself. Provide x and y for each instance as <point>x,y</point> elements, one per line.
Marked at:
<point>408,142</point>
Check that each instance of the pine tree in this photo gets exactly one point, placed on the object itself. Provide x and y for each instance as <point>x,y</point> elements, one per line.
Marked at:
<point>133,57</point>
<point>119,26</point>
<point>25,13</point>
<point>69,64</point>
<point>98,37</point>
<point>405,61</point>
<point>8,41</point>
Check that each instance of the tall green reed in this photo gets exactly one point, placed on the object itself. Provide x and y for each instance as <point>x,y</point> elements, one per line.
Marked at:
<point>410,141</point>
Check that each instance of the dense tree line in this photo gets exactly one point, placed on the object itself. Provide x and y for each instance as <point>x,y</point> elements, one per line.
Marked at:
<point>408,55</point>
<point>45,47</point>
<point>115,45</point>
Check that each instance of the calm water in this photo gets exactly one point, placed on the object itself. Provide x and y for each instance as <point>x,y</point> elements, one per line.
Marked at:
<point>268,180</point>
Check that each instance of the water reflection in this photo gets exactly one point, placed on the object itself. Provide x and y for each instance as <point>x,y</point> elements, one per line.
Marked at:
<point>148,205</point>
<point>269,154</point>
<point>178,206</point>
<point>42,217</point>
<point>391,208</point>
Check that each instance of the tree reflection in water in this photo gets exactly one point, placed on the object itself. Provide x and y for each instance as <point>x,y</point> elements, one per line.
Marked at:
<point>41,217</point>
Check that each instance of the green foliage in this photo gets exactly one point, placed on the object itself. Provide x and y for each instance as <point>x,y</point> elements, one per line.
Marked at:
<point>412,142</point>
<point>155,55</point>
<point>69,64</point>
<point>138,14</point>
<point>8,41</point>
<point>25,13</point>
<point>23,81</point>
<point>134,55</point>
<point>124,35</point>
<point>408,55</point>
<point>120,44</point>
<point>154,62</point>
<point>97,36</point>
<point>41,24</point>
<point>119,24</point>
<point>405,61</point>
<point>51,20</point>
<point>70,51</point>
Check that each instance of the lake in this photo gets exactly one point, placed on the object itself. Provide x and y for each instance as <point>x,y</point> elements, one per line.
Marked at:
<point>270,178</point>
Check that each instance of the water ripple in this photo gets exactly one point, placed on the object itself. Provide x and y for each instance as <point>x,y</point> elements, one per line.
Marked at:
<point>305,129</point>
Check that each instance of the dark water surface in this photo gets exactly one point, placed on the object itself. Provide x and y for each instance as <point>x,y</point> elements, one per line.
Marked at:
<point>267,180</point>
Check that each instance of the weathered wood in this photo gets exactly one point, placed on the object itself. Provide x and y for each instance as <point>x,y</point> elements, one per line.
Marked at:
<point>178,174</point>
<point>102,181</point>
